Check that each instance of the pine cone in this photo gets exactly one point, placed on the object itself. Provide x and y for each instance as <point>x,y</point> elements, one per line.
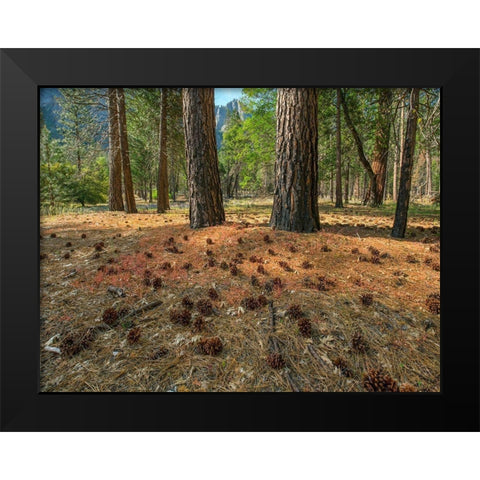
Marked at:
<point>158,353</point>
<point>198,324</point>
<point>133,335</point>
<point>376,380</point>
<point>367,299</point>
<point>275,360</point>
<point>211,346</point>
<point>187,302</point>
<point>250,303</point>
<point>181,317</point>
<point>212,293</point>
<point>433,303</point>
<point>295,312</point>
<point>342,365</point>
<point>407,387</point>
<point>358,343</point>
<point>110,316</point>
<point>205,307</point>
<point>305,327</point>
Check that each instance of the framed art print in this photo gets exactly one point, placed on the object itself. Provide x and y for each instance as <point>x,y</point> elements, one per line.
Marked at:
<point>239,239</point>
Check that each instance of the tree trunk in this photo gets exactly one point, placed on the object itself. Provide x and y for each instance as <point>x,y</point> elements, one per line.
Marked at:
<point>428,161</point>
<point>382,141</point>
<point>163,203</point>
<point>206,202</point>
<point>127,174</point>
<point>331,186</point>
<point>372,192</point>
<point>115,199</point>
<point>394,181</point>
<point>295,202</point>
<point>347,181</point>
<point>385,185</point>
<point>401,212</point>
<point>338,185</point>
<point>366,190</point>
<point>398,161</point>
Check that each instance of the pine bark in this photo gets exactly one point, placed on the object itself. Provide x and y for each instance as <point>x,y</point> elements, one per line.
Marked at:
<point>206,202</point>
<point>125,154</point>
<point>401,212</point>
<point>163,202</point>
<point>382,141</point>
<point>338,179</point>
<point>295,204</point>
<point>115,199</point>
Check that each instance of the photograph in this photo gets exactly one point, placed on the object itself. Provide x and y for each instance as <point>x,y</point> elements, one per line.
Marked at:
<point>239,239</point>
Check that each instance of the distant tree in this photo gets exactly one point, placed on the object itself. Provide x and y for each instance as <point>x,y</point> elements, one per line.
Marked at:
<point>51,180</point>
<point>206,203</point>
<point>258,139</point>
<point>401,212</point>
<point>382,142</point>
<point>428,143</point>
<point>295,202</point>
<point>376,170</point>
<point>80,125</point>
<point>177,168</point>
<point>233,153</point>
<point>124,152</point>
<point>87,187</point>
<point>163,203</point>
<point>115,198</point>
<point>338,186</point>
<point>60,181</point>
<point>143,116</point>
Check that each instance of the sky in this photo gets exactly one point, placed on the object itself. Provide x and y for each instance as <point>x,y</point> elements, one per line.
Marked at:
<point>225,95</point>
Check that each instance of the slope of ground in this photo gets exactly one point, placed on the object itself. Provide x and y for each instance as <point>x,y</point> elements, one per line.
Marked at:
<point>354,309</point>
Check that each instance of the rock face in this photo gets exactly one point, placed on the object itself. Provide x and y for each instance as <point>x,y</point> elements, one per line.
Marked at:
<point>50,109</point>
<point>221,113</point>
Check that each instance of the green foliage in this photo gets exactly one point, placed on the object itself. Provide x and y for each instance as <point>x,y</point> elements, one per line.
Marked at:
<point>60,181</point>
<point>247,156</point>
<point>89,186</point>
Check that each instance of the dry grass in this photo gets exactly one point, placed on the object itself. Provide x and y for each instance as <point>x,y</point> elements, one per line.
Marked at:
<point>168,355</point>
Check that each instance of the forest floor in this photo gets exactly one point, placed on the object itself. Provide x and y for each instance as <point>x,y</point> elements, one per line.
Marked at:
<point>354,309</point>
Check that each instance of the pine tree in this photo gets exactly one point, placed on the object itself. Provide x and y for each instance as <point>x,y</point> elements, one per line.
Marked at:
<point>295,203</point>
<point>115,198</point>
<point>206,202</point>
<point>401,212</point>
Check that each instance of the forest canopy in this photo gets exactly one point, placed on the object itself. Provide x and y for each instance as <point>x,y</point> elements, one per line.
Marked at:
<point>360,133</point>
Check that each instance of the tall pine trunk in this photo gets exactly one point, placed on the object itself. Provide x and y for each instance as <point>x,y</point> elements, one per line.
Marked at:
<point>347,181</point>
<point>338,184</point>
<point>295,202</point>
<point>206,202</point>
<point>398,160</point>
<point>163,203</point>
<point>401,212</point>
<point>382,141</point>
<point>115,199</point>
<point>124,151</point>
